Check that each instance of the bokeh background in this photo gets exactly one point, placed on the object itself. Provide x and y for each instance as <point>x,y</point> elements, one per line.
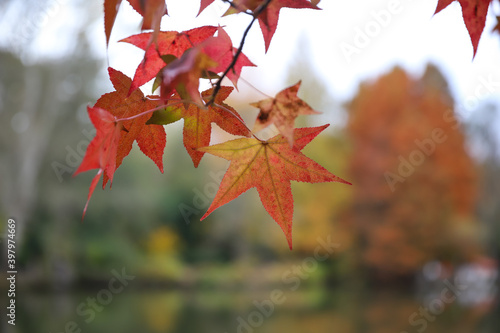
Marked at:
<point>412,246</point>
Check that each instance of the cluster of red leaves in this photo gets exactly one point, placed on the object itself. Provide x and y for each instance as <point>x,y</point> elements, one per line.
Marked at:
<point>178,61</point>
<point>474,13</point>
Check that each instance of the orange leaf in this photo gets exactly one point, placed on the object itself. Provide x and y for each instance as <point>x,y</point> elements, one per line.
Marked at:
<point>198,122</point>
<point>269,166</point>
<point>150,138</point>
<point>183,75</point>
<point>282,111</point>
<point>168,42</point>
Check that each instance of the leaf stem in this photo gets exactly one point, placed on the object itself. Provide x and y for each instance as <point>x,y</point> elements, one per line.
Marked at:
<point>255,15</point>
<point>176,101</point>
<point>256,89</point>
<point>231,3</point>
<point>239,119</point>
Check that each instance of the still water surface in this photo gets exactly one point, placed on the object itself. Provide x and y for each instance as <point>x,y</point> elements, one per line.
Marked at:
<point>343,310</point>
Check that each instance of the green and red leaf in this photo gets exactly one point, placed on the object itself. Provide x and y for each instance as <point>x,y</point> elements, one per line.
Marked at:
<point>198,121</point>
<point>269,166</point>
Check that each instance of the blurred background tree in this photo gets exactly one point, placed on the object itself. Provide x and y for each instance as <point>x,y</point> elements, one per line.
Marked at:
<point>413,189</point>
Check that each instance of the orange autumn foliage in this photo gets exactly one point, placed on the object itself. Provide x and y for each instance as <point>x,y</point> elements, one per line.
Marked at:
<point>412,174</point>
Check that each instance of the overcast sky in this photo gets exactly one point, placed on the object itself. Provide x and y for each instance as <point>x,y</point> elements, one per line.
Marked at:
<point>349,41</point>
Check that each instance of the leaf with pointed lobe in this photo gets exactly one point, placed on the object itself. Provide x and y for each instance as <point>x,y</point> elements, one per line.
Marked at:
<point>474,14</point>
<point>268,18</point>
<point>282,111</point>
<point>497,25</point>
<point>204,4</point>
<point>110,11</point>
<point>221,50</point>
<point>269,166</point>
<point>151,10</point>
<point>183,75</point>
<point>151,139</point>
<point>101,151</point>
<point>167,43</point>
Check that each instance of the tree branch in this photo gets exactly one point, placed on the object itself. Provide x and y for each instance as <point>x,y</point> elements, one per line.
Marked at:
<point>255,15</point>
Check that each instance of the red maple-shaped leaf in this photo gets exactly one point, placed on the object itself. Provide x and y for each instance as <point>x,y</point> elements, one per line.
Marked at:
<point>268,18</point>
<point>221,50</point>
<point>183,75</point>
<point>282,111</point>
<point>198,122</point>
<point>474,14</point>
<point>101,152</point>
<point>269,166</point>
<point>151,139</point>
<point>204,4</point>
<point>110,11</point>
<point>168,42</point>
<point>151,10</point>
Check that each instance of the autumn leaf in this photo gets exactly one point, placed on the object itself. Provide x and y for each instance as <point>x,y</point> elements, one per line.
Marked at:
<point>497,25</point>
<point>110,10</point>
<point>221,50</point>
<point>101,152</point>
<point>282,111</point>
<point>204,4</point>
<point>151,139</point>
<point>269,166</point>
<point>238,6</point>
<point>474,14</point>
<point>268,19</point>
<point>198,122</point>
<point>168,42</point>
<point>183,75</point>
<point>151,10</point>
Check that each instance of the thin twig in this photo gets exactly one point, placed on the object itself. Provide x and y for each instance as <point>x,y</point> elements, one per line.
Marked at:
<point>256,13</point>
<point>232,4</point>
<point>252,86</point>
<point>176,101</point>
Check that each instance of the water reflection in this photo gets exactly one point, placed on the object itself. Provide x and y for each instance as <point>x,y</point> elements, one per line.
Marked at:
<point>305,310</point>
